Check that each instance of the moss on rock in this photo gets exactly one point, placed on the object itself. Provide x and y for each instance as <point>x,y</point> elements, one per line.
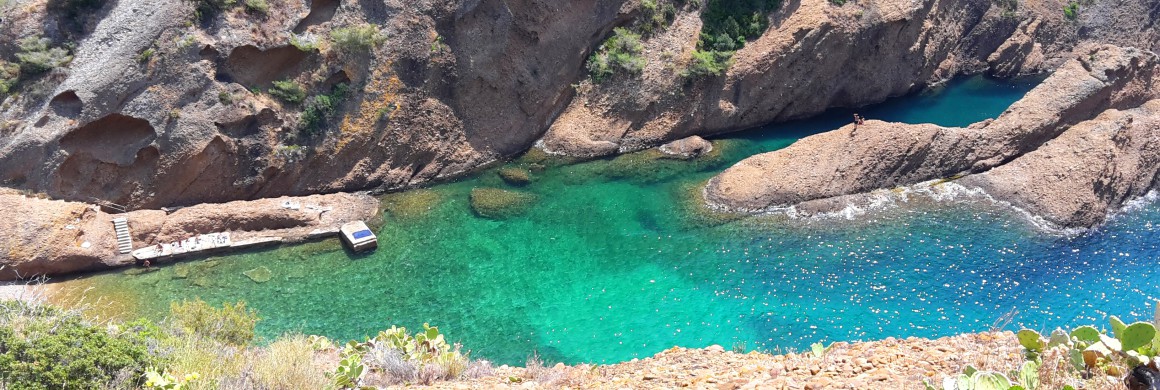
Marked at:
<point>495,203</point>
<point>410,204</point>
<point>518,177</point>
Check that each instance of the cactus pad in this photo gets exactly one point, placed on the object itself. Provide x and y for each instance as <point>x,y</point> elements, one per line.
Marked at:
<point>1137,335</point>
<point>1031,340</point>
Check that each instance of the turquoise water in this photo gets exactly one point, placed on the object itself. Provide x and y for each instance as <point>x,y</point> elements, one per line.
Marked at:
<point>616,260</point>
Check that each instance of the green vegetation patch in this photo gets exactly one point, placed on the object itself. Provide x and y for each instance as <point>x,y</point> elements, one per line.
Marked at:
<point>38,56</point>
<point>356,39</point>
<point>1071,10</point>
<point>727,25</point>
<point>46,348</point>
<point>319,109</point>
<point>233,324</point>
<point>288,91</point>
<point>621,53</point>
<point>495,203</point>
<point>9,75</point>
<point>257,6</point>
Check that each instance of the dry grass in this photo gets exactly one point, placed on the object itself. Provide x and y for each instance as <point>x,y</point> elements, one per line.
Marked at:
<point>288,363</point>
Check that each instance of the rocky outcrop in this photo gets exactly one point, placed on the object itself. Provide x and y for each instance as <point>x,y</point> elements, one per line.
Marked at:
<point>883,364</point>
<point>1088,172</point>
<point>687,148</point>
<point>53,237</point>
<point>817,55</point>
<point>1065,108</point>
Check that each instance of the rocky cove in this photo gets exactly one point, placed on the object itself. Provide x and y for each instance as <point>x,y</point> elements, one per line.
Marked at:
<point>179,111</point>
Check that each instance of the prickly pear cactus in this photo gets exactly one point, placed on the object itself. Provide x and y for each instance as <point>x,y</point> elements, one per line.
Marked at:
<point>990,381</point>
<point>1117,326</point>
<point>1031,340</point>
<point>1086,334</point>
<point>1058,337</point>
<point>1137,335</point>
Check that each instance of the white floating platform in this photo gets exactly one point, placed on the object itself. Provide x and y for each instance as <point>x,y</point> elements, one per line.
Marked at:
<point>358,236</point>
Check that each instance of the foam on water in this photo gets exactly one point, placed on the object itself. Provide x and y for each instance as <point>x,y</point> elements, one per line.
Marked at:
<point>613,263</point>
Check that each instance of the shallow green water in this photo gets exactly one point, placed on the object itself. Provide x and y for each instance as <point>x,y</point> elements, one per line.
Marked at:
<point>616,261</point>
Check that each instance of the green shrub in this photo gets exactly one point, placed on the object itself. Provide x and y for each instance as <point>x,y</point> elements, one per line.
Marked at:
<point>9,75</point>
<point>1071,10</point>
<point>356,39</point>
<point>145,55</point>
<point>46,348</point>
<point>232,324</point>
<point>225,98</point>
<point>320,108</point>
<point>838,2</point>
<point>36,56</point>
<point>727,25</point>
<point>708,63</point>
<point>288,91</point>
<point>620,53</point>
<point>257,6</point>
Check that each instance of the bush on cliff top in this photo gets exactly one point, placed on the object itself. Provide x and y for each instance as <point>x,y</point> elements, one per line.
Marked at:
<point>47,348</point>
<point>727,25</point>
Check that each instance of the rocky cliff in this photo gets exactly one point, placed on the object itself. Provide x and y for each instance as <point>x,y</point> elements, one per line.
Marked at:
<point>167,104</point>
<point>1076,147</point>
<point>179,102</point>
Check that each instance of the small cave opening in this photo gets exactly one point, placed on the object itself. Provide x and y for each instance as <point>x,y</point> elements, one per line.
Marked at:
<point>248,125</point>
<point>114,139</point>
<point>252,66</point>
<point>337,78</point>
<point>321,11</point>
<point>67,104</point>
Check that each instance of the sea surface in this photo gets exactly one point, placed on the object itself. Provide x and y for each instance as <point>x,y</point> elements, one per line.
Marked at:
<point>617,259</point>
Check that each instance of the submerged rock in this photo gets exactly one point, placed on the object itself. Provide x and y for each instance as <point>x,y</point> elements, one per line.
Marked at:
<point>260,274</point>
<point>687,148</point>
<point>515,176</point>
<point>495,203</point>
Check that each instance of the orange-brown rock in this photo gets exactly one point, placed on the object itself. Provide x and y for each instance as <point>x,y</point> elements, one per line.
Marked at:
<point>874,155</point>
<point>54,237</point>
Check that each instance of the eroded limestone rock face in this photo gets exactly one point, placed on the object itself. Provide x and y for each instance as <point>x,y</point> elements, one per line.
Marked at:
<point>1096,110</point>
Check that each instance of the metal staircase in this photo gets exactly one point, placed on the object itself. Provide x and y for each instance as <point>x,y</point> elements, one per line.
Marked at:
<point>124,240</point>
